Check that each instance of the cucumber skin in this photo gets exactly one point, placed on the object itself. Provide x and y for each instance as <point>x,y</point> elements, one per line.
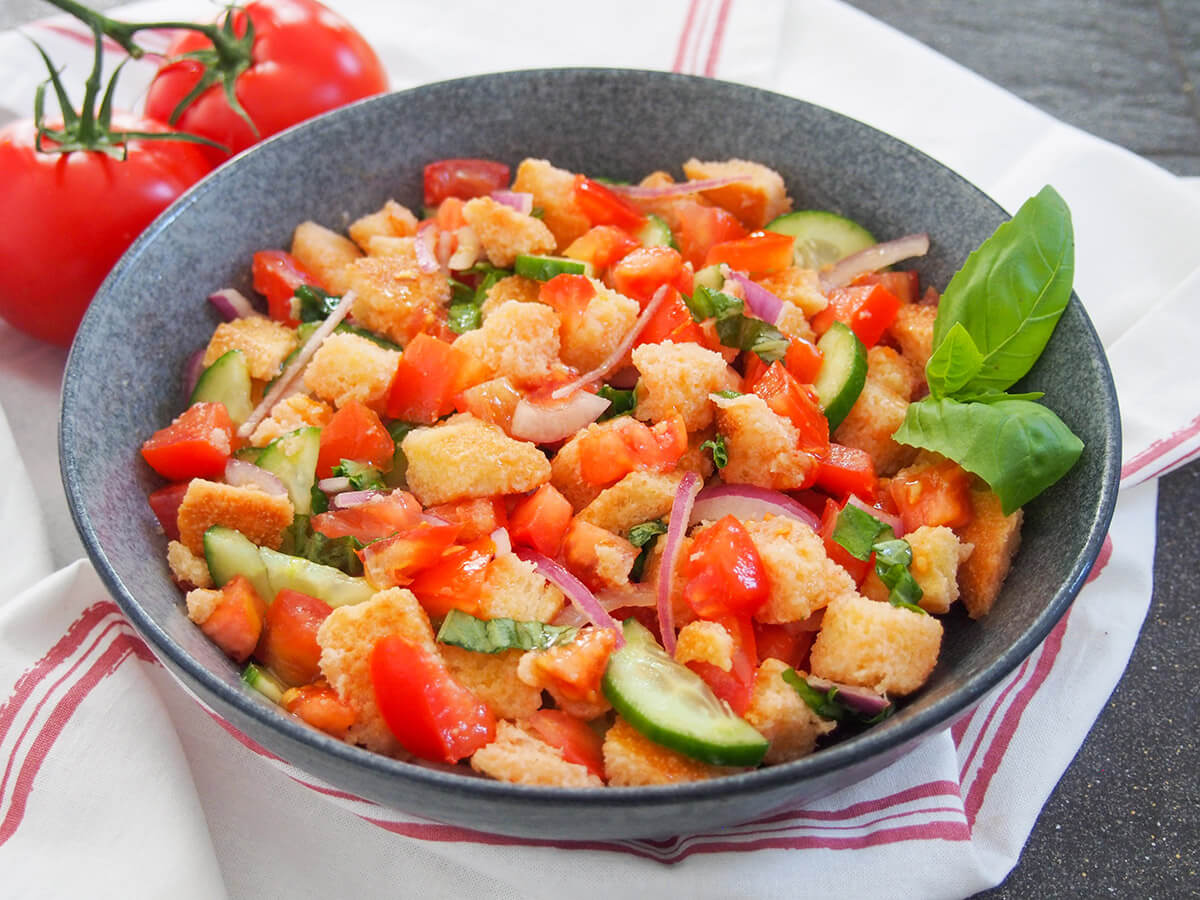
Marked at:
<point>226,381</point>
<point>817,225</point>
<point>837,407</point>
<point>230,553</point>
<point>297,469</point>
<point>543,268</point>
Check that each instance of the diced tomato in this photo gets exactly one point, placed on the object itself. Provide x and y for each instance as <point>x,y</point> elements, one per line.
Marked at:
<point>354,432</point>
<point>236,622</point>
<point>760,253</point>
<point>786,643</point>
<point>394,561</point>
<point>463,178</point>
<point>428,711</point>
<point>608,455</point>
<point>319,705</point>
<point>568,295</point>
<point>602,246</point>
<point>578,742</point>
<point>494,401</point>
<point>431,374</point>
<point>574,670</point>
<point>803,360</point>
<point>288,645</point>
<point>449,216</point>
<point>858,568</point>
<point>165,504</point>
<point>478,518</point>
<point>905,285</point>
<point>581,553</point>
<point>197,444</point>
<point>726,576</point>
<point>378,517</point>
<point>847,470</point>
<point>276,275</point>
<point>603,206</point>
<point>455,581</point>
<point>702,227</point>
<point>938,494</point>
<point>673,321</point>
<point>646,269</point>
<point>736,686</point>
<point>867,309</point>
<point>797,403</point>
<point>541,520</point>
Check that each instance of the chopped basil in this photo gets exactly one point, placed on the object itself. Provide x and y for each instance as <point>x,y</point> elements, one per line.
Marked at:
<point>644,536</point>
<point>720,455</point>
<point>314,303</point>
<point>825,703</point>
<point>746,333</point>
<point>300,540</point>
<point>465,312</point>
<point>497,635</point>
<point>464,317</point>
<point>706,303</point>
<point>537,212</point>
<point>362,477</point>
<point>860,534</point>
<point>729,395</point>
<point>621,402</point>
<point>857,530</point>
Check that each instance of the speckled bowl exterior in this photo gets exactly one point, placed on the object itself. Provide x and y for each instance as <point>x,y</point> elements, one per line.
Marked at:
<point>124,381</point>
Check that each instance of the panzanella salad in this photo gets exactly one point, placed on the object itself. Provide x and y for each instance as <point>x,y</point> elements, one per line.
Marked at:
<point>581,483</point>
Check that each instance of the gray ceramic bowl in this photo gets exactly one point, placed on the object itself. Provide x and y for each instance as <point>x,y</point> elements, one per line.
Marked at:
<point>123,382</point>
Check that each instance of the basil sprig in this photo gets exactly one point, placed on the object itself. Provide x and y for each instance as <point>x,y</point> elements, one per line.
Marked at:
<point>825,703</point>
<point>993,322</point>
<point>620,402</point>
<point>734,328</point>
<point>301,540</point>
<point>860,534</point>
<point>720,453</point>
<point>362,477</point>
<point>464,313</point>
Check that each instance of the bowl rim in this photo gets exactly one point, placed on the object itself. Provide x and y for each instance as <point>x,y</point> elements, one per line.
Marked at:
<point>841,756</point>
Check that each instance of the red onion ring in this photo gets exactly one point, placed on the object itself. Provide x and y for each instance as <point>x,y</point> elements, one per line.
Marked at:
<point>630,596</point>
<point>575,590</point>
<point>192,370</point>
<point>518,200</point>
<point>747,503</point>
<point>873,259</point>
<point>862,699</point>
<point>886,518</point>
<point>638,192</point>
<point>349,499</point>
<point>335,485</point>
<point>546,424</point>
<point>501,541</point>
<point>232,304</point>
<point>762,302</point>
<point>426,260</point>
<point>681,514</point>
<point>243,473</point>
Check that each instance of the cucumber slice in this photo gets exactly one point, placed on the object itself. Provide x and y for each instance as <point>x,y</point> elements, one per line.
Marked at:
<point>671,705</point>
<point>326,583</point>
<point>709,277</point>
<point>822,238</point>
<point>656,233</point>
<point>843,372</point>
<point>255,676</point>
<point>229,553</point>
<point>292,457</point>
<point>543,268</point>
<point>227,381</point>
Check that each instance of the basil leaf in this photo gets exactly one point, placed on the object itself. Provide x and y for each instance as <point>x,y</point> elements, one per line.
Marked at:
<point>823,703</point>
<point>318,501</point>
<point>729,395</point>
<point>954,363</point>
<point>996,396</point>
<point>315,304</point>
<point>300,540</point>
<point>620,403</point>
<point>644,536</point>
<point>1010,293</point>
<point>892,561</point>
<point>1018,447</point>
<point>706,303</point>
<point>497,635</point>
<point>745,333</point>
<point>720,454</point>
<point>460,292</point>
<point>377,339</point>
<point>362,477</point>
<point>856,530</point>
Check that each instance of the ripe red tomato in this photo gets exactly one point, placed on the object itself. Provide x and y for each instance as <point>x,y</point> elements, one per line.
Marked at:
<point>726,576</point>
<point>306,60</point>
<point>69,217</point>
<point>463,179</point>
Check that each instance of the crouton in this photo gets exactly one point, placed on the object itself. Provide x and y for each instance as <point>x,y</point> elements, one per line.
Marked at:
<point>794,324</point>
<point>393,220</point>
<point>636,498</point>
<point>937,553</point>
<point>263,342</point>
<point>513,589</point>
<point>677,378</point>
<point>876,645</point>
<point>697,458</point>
<point>670,208</point>
<point>188,569</point>
<point>797,286</point>
<point>596,333</point>
<point>572,672</point>
<point>702,641</point>
<point>393,297</point>
<point>761,445</point>
<point>349,367</point>
<point>290,413</point>
<point>565,473</point>
<point>755,201</point>
<point>325,254</point>
<point>505,233</point>
<point>201,603</point>
<point>802,578</point>
<point>492,677</point>
<point>996,539</point>
<point>514,287</point>
<point>348,636</point>
<point>517,340</point>
<point>682,611</point>
<point>464,458</point>
<point>631,759</point>
<point>598,558</point>
<point>260,516</point>
<point>778,714</point>
<point>554,193</point>
<point>518,757</point>
<point>880,410</point>
<point>913,332</point>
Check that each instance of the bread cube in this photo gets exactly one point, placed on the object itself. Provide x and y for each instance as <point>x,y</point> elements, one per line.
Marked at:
<point>703,641</point>
<point>937,554</point>
<point>264,342</point>
<point>761,445</point>
<point>260,516</point>
<point>572,672</point>
<point>876,645</point>
<point>517,340</point>
<point>393,297</point>
<point>996,539</point>
<point>325,253</point>
<point>292,412</point>
<point>349,367</point>
<point>393,220</point>
<point>802,578</point>
<point>513,589</point>
<point>682,611</point>
<point>636,498</point>
<point>188,570</point>
<point>518,757</point>
<point>565,467</point>
<point>778,714</point>
<point>755,201</point>
<point>798,287</point>
<point>697,458</point>
<point>631,759</point>
<point>677,378</point>
<point>880,410</point>
<point>604,323</point>
<point>464,458</point>
<point>913,332</point>
<point>505,233</point>
<point>513,287</point>
<point>554,193</point>
<point>600,559</point>
<point>492,677</point>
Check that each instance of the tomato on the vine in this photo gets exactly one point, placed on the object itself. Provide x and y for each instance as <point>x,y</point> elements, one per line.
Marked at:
<point>305,60</point>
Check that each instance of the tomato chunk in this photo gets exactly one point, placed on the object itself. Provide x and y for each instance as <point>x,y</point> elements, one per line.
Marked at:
<point>603,206</point>
<point>378,517</point>
<point>396,560</point>
<point>578,742</point>
<point>646,269</point>
<point>602,246</point>
<point>456,581</point>
<point>847,470</point>
<point>867,309</point>
<point>197,444</point>
<point>726,576</point>
<point>319,705</point>
<point>735,686</point>
<point>858,568</point>
<point>276,274</point>
<point>938,494</point>
<point>478,518</point>
<point>761,253</point>
<point>355,432</point>
<point>608,455</point>
<point>702,227</point>
<point>165,504</point>
<point>803,360</point>
<point>289,641</point>
<point>786,642</point>
<point>673,321</point>
<point>797,403</point>
<point>463,179</point>
<point>236,621</point>
<point>541,520</point>
<point>431,374</point>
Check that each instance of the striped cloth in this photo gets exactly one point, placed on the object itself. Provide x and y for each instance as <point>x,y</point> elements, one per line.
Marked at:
<point>105,761</point>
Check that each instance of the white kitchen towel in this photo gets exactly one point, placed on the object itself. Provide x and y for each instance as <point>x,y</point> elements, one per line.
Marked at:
<point>105,758</point>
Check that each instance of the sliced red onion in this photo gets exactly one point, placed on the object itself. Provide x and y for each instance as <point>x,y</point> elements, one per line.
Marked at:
<point>430,519</point>
<point>873,259</point>
<point>243,473</point>
<point>335,485</point>
<point>886,518</point>
<point>864,700</point>
<point>762,302</point>
<point>618,353</point>
<point>349,499</point>
<point>749,503</point>
<point>426,236</point>
<point>232,304</point>
<point>575,590</point>
<point>681,514</point>
<point>638,192</point>
<point>467,252</point>
<point>547,423</point>
<point>315,340</point>
<point>191,372</point>
<point>518,200</point>
<point>634,595</point>
<point>501,541</point>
